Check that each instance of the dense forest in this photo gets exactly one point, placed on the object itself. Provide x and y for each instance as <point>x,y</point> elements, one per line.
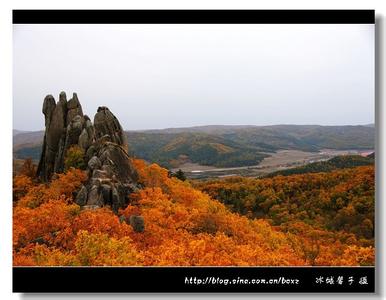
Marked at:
<point>309,219</point>
<point>338,204</point>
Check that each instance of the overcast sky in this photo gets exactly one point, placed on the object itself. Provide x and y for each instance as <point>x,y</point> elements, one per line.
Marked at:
<point>159,76</point>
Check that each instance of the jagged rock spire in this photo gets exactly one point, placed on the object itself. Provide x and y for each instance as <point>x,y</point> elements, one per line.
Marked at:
<point>111,175</point>
<point>105,123</point>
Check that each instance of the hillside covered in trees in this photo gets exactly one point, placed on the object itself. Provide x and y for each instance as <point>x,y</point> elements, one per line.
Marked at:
<point>338,204</point>
<point>235,146</point>
<point>89,202</point>
<point>223,146</point>
<point>314,219</point>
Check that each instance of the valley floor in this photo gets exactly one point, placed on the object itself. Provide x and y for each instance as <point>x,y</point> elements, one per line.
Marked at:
<point>281,160</point>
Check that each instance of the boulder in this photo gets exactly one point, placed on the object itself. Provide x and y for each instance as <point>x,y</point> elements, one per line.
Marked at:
<point>94,163</point>
<point>107,194</point>
<point>94,196</point>
<point>81,197</point>
<point>84,140</point>
<point>109,170</point>
<point>138,223</point>
<point>74,129</point>
<point>90,152</point>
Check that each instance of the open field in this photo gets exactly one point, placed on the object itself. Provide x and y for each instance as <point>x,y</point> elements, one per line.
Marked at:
<point>282,159</point>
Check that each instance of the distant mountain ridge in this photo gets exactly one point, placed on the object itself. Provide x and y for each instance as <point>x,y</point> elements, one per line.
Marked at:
<point>16,132</point>
<point>247,145</point>
<point>223,145</point>
<point>26,137</point>
<point>233,128</point>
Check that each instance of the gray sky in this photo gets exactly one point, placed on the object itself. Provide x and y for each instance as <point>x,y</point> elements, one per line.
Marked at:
<point>158,76</point>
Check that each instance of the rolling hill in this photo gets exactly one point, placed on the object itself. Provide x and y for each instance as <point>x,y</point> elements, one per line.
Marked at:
<point>172,149</point>
<point>232,146</point>
<point>223,146</point>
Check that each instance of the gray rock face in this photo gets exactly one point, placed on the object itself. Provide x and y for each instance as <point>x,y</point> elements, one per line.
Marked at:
<point>81,197</point>
<point>55,120</point>
<point>111,175</point>
<point>49,105</point>
<point>64,122</point>
<point>115,159</point>
<point>105,123</point>
<point>94,163</point>
<point>74,108</point>
<point>74,129</point>
<point>112,171</point>
<point>94,196</point>
<point>84,140</point>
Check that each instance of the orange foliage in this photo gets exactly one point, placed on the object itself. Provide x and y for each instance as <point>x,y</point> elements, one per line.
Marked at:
<point>60,188</point>
<point>183,226</point>
<point>101,250</point>
<point>28,168</point>
<point>42,223</point>
<point>21,185</point>
<point>93,221</point>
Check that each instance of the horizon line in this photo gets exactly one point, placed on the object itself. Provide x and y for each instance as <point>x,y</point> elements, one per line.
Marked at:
<point>223,125</point>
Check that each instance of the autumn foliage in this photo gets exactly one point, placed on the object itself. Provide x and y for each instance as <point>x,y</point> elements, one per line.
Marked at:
<point>326,215</point>
<point>184,226</point>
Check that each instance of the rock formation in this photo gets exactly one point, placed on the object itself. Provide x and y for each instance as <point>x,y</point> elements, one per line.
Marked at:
<point>111,175</point>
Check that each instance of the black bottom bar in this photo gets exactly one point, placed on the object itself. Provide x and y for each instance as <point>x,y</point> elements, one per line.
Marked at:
<point>194,279</point>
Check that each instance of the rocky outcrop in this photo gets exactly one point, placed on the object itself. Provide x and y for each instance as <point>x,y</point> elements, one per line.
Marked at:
<point>59,134</point>
<point>111,175</point>
<point>105,123</point>
<point>137,222</point>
